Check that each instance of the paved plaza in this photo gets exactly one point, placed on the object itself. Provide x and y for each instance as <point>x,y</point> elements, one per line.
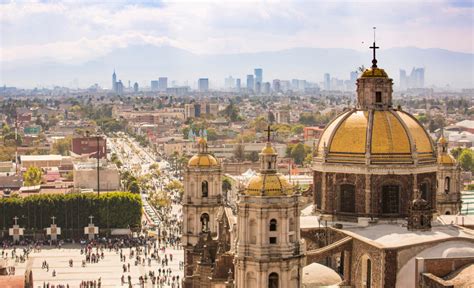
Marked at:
<point>108,269</point>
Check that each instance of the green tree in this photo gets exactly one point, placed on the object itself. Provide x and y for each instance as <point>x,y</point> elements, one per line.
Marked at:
<point>239,152</point>
<point>32,176</point>
<point>456,152</point>
<point>226,184</point>
<point>253,156</point>
<point>297,129</point>
<point>298,153</point>
<point>133,187</point>
<point>465,160</point>
<point>62,146</point>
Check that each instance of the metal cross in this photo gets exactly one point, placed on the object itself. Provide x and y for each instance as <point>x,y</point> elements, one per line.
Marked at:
<point>91,217</point>
<point>53,219</point>
<point>373,47</point>
<point>268,130</point>
<point>16,219</point>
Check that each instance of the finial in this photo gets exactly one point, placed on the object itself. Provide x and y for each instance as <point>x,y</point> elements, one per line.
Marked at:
<point>373,47</point>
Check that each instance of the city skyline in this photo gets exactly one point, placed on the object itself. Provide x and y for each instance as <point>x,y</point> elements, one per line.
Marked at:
<point>72,35</point>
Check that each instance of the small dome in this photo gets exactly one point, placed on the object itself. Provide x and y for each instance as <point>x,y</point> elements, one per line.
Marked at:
<point>442,140</point>
<point>391,136</point>
<point>268,150</point>
<point>201,160</point>
<point>268,185</point>
<point>318,275</point>
<point>446,159</point>
<point>374,72</point>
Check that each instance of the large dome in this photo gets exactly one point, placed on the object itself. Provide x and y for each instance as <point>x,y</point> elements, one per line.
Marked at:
<point>388,136</point>
<point>203,158</point>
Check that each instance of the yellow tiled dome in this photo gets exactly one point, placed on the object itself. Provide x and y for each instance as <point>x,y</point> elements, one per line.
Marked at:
<point>374,72</point>
<point>446,159</point>
<point>203,160</point>
<point>268,185</point>
<point>268,150</point>
<point>393,134</point>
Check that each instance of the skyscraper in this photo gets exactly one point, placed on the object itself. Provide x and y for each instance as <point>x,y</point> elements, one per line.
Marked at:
<point>154,85</point>
<point>114,82</point>
<point>237,85</point>
<point>327,81</point>
<point>119,87</point>
<point>135,87</point>
<point>258,78</point>
<point>203,84</point>
<point>276,85</point>
<point>162,84</point>
<point>403,80</point>
<point>250,83</point>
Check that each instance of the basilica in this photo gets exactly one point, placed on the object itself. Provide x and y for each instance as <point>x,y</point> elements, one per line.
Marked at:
<point>382,196</point>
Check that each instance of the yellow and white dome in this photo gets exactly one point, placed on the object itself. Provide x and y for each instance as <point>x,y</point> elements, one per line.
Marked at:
<point>203,158</point>
<point>388,136</point>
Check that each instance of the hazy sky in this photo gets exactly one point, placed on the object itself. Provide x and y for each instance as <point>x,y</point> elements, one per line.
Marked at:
<point>75,32</point>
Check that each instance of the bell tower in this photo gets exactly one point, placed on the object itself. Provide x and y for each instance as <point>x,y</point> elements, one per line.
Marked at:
<point>448,194</point>
<point>201,201</point>
<point>374,88</point>
<point>269,250</point>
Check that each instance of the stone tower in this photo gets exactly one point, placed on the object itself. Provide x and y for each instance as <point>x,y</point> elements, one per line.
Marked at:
<point>448,195</point>
<point>270,252</point>
<point>201,201</point>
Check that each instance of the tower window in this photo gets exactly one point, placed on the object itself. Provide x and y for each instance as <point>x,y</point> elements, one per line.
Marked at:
<point>273,280</point>
<point>273,225</point>
<point>378,97</point>
<point>447,184</point>
<point>205,188</point>
<point>273,240</point>
<point>205,222</point>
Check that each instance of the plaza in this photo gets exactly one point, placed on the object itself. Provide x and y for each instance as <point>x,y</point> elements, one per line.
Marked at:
<point>109,269</point>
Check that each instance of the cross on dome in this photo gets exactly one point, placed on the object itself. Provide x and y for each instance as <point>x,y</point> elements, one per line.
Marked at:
<point>374,47</point>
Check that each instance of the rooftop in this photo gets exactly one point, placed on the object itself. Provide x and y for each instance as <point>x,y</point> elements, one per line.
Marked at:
<point>41,158</point>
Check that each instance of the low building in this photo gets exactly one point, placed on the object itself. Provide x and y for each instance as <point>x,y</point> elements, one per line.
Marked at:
<point>85,176</point>
<point>90,145</point>
<point>40,161</point>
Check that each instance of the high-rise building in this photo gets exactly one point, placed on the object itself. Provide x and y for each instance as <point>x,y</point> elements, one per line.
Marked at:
<point>258,78</point>
<point>229,83</point>
<point>276,85</point>
<point>250,83</point>
<point>114,82</point>
<point>403,80</point>
<point>203,84</point>
<point>294,84</point>
<point>327,81</point>
<point>135,87</point>
<point>119,87</point>
<point>416,79</point>
<point>162,84</point>
<point>154,85</point>
<point>237,85</point>
<point>266,88</point>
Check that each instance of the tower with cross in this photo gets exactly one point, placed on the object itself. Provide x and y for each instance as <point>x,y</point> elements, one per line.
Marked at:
<point>53,231</point>
<point>374,87</point>
<point>91,230</point>
<point>16,231</point>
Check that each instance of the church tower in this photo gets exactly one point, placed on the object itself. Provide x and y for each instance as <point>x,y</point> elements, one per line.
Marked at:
<point>201,201</point>
<point>270,252</point>
<point>448,193</point>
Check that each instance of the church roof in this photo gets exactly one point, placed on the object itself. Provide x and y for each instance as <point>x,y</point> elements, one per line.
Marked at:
<point>374,72</point>
<point>203,160</point>
<point>389,136</point>
<point>268,185</point>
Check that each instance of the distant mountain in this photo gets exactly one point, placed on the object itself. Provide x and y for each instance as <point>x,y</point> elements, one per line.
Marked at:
<point>143,63</point>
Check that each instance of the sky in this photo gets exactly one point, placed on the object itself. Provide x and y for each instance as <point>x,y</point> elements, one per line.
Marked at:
<point>80,31</point>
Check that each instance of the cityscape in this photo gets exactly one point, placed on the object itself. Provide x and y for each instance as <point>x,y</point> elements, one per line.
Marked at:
<point>289,149</point>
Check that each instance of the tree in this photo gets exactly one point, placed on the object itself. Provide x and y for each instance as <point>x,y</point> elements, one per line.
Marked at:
<point>32,176</point>
<point>239,152</point>
<point>62,146</point>
<point>465,160</point>
<point>298,153</point>
<point>271,117</point>
<point>253,156</point>
<point>133,186</point>
<point>456,152</point>
<point>226,184</point>
<point>297,129</point>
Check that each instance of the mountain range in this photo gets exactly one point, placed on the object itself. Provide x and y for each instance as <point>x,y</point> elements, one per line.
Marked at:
<point>143,63</point>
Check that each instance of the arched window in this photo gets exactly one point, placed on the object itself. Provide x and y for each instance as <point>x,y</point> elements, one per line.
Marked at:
<point>205,188</point>
<point>273,225</point>
<point>205,222</point>
<point>447,184</point>
<point>425,191</point>
<point>366,272</point>
<point>447,213</point>
<point>291,223</point>
<point>347,198</point>
<point>378,97</point>
<point>390,199</point>
<point>273,280</point>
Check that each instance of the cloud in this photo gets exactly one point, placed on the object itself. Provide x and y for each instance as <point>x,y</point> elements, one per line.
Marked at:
<point>80,31</point>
